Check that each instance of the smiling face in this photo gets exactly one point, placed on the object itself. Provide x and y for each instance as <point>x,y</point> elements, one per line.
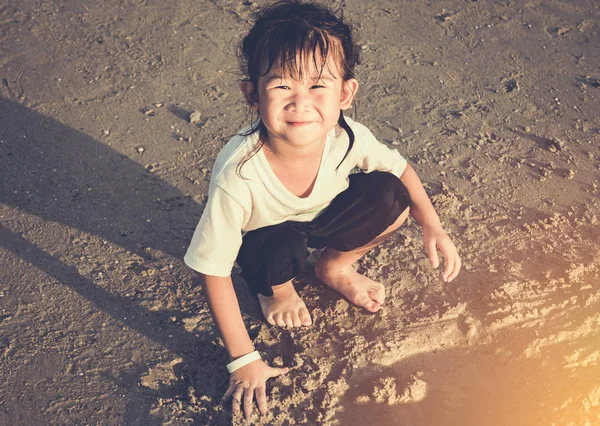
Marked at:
<point>300,110</point>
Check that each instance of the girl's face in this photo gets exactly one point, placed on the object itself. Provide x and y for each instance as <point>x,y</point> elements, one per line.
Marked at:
<point>299,112</point>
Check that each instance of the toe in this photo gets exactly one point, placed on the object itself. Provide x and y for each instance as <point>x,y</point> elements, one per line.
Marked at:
<point>378,294</point>
<point>270,320</point>
<point>287,318</point>
<point>296,319</point>
<point>305,317</point>
<point>279,320</point>
<point>372,306</point>
<point>367,302</point>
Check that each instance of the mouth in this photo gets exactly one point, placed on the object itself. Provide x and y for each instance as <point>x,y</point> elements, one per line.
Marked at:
<point>299,123</point>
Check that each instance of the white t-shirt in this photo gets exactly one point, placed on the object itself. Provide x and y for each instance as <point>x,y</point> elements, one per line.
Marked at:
<point>237,204</point>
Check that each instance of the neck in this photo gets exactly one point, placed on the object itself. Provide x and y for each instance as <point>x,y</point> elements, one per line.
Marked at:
<point>284,152</point>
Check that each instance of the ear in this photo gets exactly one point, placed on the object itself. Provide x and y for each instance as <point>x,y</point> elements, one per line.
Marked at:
<point>250,94</point>
<point>349,89</point>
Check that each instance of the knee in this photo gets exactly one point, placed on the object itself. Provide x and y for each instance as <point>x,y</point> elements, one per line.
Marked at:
<point>286,242</point>
<point>388,193</point>
<point>267,244</point>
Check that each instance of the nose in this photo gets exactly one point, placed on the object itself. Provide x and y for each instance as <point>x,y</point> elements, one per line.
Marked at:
<point>300,101</point>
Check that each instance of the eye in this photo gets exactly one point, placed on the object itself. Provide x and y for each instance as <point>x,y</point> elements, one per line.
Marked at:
<point>317,86</point>
<point>282,87</point>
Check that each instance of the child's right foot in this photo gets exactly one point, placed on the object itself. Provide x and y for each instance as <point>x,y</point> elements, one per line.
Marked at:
<point>285,308</point>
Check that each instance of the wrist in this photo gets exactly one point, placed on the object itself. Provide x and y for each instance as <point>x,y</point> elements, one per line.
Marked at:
<point>430,222</point>
<point>242,361</point>
<point>428,218</point>
<point>432,225</point>
<point>239,354</point>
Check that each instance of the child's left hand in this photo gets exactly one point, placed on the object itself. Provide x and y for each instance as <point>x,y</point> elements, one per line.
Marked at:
<point>435,238</point>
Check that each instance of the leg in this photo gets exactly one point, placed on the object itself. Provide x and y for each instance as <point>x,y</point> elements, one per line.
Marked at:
<point>374,206</point>
<point>270,258</point>
<point>335,270</point>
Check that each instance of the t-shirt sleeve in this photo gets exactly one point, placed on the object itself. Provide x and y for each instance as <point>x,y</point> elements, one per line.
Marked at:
<point>374,155</point>
<point>218,236</point>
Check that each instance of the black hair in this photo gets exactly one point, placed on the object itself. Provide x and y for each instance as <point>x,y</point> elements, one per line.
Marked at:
<point>288,32</point>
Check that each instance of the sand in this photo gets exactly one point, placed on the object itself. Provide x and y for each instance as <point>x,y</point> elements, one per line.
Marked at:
<point>111,115</point>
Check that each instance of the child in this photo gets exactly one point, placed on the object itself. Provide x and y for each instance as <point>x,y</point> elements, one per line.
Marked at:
<point>285,184</point>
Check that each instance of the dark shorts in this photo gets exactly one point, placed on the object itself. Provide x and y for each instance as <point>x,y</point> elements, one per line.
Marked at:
<point>275,254</point>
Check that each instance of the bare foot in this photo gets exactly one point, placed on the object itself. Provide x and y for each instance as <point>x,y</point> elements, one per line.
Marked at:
<point>360,290</point>
<point>285,308</point>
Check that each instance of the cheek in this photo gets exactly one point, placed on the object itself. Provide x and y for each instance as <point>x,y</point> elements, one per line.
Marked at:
<point>273,99</point>
<point>267,106</point>
<point>330,101</point>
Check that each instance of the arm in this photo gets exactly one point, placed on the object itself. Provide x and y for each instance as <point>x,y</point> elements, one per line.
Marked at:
<point>226,313</point>
<point>422,210</point>
<point>250,380</point>
<point>434,237</point>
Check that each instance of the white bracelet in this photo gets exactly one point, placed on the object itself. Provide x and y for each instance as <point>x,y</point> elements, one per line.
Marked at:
<point>243,360</point>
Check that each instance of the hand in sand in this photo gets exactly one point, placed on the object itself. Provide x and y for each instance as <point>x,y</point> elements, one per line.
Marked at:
<point>249,382</point>
<point>435,238</point>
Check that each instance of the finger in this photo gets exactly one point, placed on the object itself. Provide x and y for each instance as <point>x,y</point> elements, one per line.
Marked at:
<point>237,399</point>
<point>449,253</point>
<point>229,391</point>
<point>248,398</point>
<point>457,267</point>
<point>454,265</point>
<point>432,254</point>
<point>261,400</point>
<point>448,270</point>
<point>449,265</point>
<point>277,371</point>
<point>296,319</point>
<point>305,317</point>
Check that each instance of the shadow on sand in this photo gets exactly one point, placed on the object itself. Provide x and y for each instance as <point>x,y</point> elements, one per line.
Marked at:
<point>61,175</point>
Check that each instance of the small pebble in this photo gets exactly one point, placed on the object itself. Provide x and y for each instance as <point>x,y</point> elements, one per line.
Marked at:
<point>140,149</point>
<point>555,145</point>
<point>195,117</point>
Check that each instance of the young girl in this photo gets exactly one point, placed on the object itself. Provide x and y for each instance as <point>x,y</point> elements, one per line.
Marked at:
<point>286,184</point>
